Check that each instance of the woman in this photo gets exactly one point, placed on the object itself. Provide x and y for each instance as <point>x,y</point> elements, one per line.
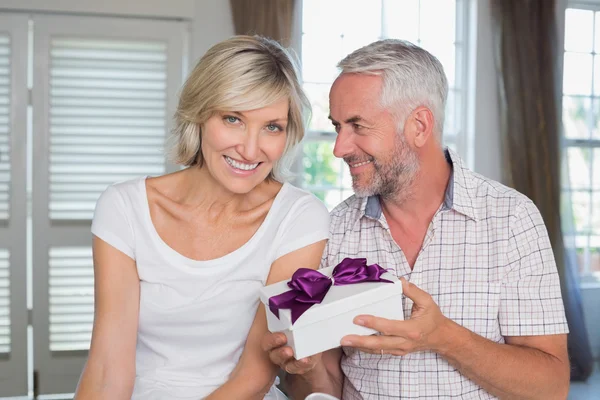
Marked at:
<point>179,259</point>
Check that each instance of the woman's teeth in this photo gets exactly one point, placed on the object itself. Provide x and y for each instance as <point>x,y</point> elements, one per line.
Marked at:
<point>239,165</point>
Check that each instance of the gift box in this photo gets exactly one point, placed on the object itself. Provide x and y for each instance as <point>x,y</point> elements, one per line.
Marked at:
<point>315,309</point>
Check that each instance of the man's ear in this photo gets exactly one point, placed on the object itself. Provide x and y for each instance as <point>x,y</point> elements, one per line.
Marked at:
<point>423,125</point>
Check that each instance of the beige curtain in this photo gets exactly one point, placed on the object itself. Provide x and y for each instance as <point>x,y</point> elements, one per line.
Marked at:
<point>527,59</point>
<point>270,18</point>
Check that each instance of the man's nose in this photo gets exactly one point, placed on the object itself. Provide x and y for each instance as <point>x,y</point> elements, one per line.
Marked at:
<point>343,143</point>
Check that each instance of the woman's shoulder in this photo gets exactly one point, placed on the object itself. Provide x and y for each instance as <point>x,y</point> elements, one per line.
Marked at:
<point>124,193</point>
<point>295,197</point>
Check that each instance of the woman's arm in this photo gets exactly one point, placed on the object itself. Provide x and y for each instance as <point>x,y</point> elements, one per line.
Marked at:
<point>110,369</point>
<point>254,374</point>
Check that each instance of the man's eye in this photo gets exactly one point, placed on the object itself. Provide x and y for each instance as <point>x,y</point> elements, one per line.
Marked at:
<point>356,127</point>
<point>336,127</point>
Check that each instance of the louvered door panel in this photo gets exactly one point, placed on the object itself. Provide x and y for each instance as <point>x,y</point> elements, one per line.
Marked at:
<point>107,118</point>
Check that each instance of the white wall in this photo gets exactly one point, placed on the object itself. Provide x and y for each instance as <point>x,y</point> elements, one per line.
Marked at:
<point>212,23</point>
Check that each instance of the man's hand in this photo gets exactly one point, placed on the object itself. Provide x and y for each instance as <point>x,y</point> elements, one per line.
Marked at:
<point>282,355</point>
<point>425,330</point>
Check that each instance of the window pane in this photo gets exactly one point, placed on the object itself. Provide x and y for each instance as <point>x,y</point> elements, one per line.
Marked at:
<point>346,177</point>
<point>578,30</point>
<point>438,21</point>
<point>321,168</point>
<point>318,94</point>
<point>581,252</point>
<point>575,116</point>
<point>579,167</point>
<point>401,19</point>
<point>596,171</point>
<point>596,75</point>
<point>577,78</point>
<point>353,41</point>
<point>596,128</point>
<point>581,211</point>
<point>320,55</point>
<point>360,18</point>
<point>322,16</point>
<point>595,259</point>
<point>597,38</point>
<point>446,54</point>
<point>596,212</point>
<point>347,193</point>
<point>450,116</point>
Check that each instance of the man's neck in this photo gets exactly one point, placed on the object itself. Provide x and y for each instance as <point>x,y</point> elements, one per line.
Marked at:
<point>425,195</point>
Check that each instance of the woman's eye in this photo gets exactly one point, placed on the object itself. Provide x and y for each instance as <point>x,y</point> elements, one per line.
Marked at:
<point>273,128</point>
<point>231,119</point>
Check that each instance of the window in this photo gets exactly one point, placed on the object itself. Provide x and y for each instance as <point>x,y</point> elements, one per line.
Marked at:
<point>333,29</point>
<point>581,128</point>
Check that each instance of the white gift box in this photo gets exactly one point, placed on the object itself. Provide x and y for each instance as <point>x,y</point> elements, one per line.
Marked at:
<point>323,325</point>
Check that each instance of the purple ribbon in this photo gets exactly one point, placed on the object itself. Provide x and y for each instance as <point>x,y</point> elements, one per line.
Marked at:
<point>310,287</point>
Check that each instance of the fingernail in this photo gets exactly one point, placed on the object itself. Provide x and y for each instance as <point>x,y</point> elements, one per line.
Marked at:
<point>359,321</point>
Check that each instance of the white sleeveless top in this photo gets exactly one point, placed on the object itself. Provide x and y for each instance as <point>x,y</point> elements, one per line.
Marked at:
<point>195,315</point>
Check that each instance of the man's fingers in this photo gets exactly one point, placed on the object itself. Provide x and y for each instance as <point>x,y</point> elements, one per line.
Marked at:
<point>418,296</point>
<point>281,356</point>
<point>273,340</point>
<point>384,326</point>
<point>374,343</point>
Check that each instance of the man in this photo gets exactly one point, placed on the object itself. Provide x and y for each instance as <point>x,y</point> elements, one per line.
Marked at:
<point>484,314</point>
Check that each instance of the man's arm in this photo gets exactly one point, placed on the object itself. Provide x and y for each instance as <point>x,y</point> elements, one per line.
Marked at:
<point>526,367</point>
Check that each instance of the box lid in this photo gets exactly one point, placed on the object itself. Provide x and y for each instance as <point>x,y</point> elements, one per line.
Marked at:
<point>339,299</point>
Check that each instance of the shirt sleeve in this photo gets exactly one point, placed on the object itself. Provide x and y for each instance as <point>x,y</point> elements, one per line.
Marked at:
<point>111,222</point>
<point>531,301</point>
<point>307,223</point>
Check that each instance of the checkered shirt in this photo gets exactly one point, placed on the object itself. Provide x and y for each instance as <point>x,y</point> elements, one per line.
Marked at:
<point>487,262</point>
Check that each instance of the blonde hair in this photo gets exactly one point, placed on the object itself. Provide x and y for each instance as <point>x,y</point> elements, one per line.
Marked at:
<point>239,74</point>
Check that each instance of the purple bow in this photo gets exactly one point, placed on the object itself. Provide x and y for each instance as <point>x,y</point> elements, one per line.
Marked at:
<point>310,287</point>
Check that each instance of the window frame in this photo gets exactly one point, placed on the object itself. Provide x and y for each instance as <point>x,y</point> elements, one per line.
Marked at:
<point>13,369</point>
<point>586,276</point>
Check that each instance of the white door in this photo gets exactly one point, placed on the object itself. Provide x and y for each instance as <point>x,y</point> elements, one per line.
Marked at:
<point>104,92</point>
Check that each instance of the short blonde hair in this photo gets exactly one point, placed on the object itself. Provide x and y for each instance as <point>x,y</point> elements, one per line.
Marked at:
<point>239,74</point>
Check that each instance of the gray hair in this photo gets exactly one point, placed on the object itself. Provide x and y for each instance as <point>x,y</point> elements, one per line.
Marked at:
<point>412,77</point>
<point>239,74</point>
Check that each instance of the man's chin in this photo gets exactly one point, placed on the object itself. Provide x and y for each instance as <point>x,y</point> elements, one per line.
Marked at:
<point>363,190</point>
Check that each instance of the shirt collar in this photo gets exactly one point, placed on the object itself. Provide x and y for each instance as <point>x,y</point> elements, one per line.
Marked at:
<point>459,196</point>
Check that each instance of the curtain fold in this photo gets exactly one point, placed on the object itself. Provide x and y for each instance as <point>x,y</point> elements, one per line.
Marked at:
<point>527,58</point>
<point>270,18</point>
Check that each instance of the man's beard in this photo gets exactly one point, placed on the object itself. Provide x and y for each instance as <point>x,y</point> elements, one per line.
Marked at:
<point>393,177</point>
